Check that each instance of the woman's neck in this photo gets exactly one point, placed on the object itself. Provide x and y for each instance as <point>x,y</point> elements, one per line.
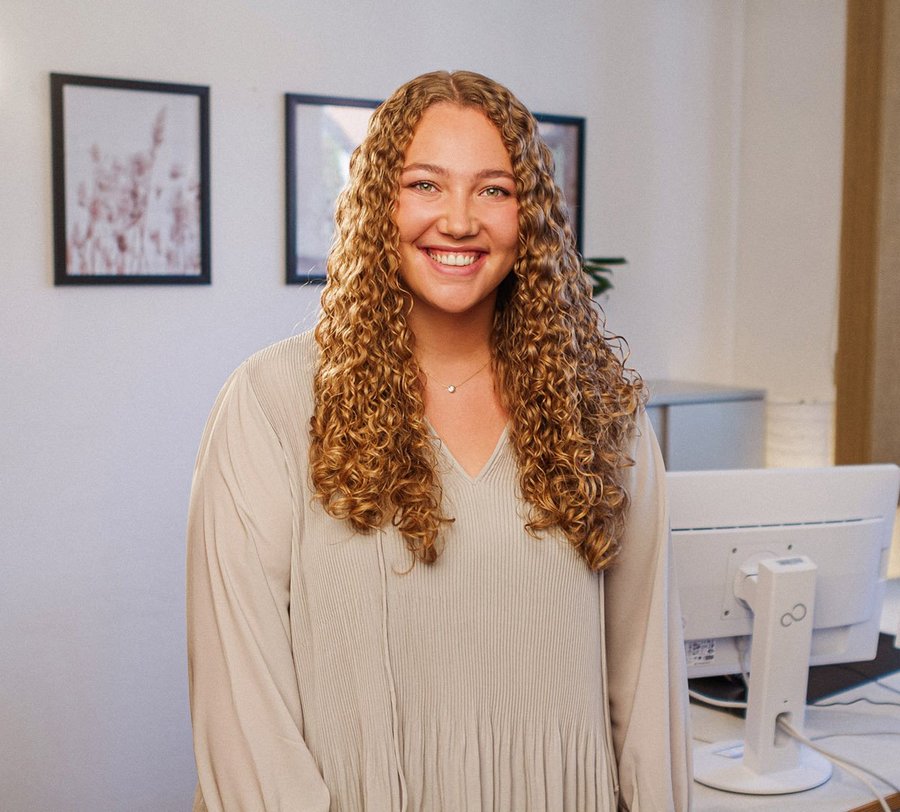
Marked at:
<point>451,341</point>
<point>461,398</point>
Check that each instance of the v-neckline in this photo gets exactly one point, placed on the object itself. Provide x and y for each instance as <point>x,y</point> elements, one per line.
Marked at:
<point>455,463</point>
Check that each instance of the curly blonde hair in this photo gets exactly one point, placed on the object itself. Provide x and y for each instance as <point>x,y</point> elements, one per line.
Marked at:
<point>571,402</point>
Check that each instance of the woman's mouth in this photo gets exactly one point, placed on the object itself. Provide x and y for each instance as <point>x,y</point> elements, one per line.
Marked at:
<point>454,259</point>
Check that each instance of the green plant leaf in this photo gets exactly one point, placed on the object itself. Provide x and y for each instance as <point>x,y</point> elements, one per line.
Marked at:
<point>599,270</point>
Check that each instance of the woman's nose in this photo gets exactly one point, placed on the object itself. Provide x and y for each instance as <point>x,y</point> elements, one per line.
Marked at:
<point>458,218</point>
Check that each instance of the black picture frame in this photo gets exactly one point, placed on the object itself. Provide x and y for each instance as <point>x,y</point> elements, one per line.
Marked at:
<point>565,137</point>
<point>320,134</point>
<point>131,181</point>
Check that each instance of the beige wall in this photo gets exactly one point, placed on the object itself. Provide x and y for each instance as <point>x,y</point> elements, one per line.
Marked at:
<point>788,226</point>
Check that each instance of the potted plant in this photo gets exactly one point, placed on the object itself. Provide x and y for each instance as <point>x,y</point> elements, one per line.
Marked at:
<point>599,269</point>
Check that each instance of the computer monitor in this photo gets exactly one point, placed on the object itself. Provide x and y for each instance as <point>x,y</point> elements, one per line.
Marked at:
<point>777,570</point>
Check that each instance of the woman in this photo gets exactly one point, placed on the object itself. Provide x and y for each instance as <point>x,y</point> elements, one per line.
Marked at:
<point>428,559</point>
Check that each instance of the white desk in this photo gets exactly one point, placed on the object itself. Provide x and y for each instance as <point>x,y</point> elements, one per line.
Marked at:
<point>877,746</point>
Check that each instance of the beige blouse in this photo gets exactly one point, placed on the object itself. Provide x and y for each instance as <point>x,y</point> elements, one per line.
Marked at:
<point>325,674</point>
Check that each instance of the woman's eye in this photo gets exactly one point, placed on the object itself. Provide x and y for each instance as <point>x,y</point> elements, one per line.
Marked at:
<point>423,186</point>
<point>495,191</point>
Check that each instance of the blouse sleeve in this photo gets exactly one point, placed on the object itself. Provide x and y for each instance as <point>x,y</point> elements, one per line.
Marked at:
<point>646,669</point>
<point>245,705</point>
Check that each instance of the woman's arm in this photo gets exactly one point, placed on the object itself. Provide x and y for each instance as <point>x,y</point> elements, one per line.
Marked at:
<point>245,705</point>
<point>647,679</point>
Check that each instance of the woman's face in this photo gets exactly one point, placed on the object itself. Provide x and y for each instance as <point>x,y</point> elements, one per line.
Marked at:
<point>456,212</point>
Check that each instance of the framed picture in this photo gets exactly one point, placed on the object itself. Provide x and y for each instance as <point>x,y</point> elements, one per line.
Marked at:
<point>321,133</point>
<point>565,137</point>
<point>130,181</point>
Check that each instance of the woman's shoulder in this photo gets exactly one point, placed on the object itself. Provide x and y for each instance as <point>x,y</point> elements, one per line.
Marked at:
<point>645,472</point>
<point>296,352</point>
<point>281,375</point>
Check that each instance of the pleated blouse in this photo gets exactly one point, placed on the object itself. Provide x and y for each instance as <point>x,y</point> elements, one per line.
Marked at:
<point>328,673</point>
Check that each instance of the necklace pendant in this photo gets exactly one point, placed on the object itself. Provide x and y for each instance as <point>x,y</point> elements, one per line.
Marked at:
<point>451,389</point>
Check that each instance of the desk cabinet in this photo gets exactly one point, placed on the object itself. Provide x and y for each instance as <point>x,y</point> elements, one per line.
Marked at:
<point>703,426</point>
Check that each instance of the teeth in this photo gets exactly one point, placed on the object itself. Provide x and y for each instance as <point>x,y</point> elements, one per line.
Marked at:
<point>455,259</point>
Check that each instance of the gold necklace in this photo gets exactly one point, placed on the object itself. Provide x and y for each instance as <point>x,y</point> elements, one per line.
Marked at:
<point>452,387</point>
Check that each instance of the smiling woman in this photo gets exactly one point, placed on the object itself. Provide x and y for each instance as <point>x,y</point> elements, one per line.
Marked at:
<point>428,554</point>
<point>458,229</point>
<point>457,215</point>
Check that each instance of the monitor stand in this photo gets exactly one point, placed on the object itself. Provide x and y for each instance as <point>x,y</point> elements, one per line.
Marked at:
<point>781,593</point>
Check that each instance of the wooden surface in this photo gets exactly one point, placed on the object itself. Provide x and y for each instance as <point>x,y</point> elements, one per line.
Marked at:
<point>859,232</point>
<point>892,800</point>
<point>885,434</point>
<point>867,372</point>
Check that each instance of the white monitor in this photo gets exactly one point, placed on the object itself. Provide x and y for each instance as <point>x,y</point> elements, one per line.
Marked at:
<point>778,569</point>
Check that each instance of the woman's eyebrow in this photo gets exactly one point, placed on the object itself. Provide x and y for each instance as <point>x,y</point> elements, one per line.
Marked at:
<point>439,170</point>
<point>434,169</point>
<point>495,173</point>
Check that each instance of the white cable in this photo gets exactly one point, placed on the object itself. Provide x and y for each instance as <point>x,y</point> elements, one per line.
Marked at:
<point>831,705</point>
<point>851,767</point>
<point>886,686</point>
<point>745,676</point>
<point>718,703</point>
<point>791,730</point>
<point>859,733</point>
<point>856,770</point>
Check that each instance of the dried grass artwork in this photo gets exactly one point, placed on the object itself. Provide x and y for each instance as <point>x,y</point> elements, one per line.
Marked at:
<point>131,188</point>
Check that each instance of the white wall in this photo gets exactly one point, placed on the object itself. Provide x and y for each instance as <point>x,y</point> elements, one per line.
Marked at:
<point>666,87</point>
<point>791,134</point>
<point>789,213</point>
<point>105,390</point>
